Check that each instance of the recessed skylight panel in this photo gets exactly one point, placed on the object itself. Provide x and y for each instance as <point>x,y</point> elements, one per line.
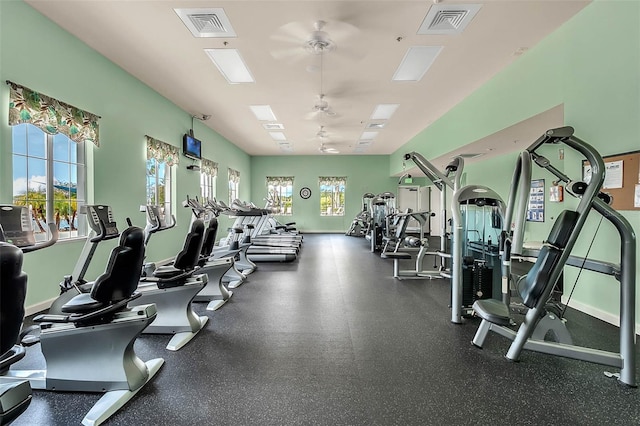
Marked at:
<point>263,112</point>
<point>230,65</point>
<point>416,62</point>
<point>384,111</point>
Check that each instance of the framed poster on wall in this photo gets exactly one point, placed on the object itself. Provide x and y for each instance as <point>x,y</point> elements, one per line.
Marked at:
<point>535,210</point>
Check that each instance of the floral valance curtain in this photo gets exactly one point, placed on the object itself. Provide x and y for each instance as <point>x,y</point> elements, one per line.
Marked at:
<point>234,176</point>
<point>279,181</point>
<point>51,115</point>
<point>162,151</point>
<point>209,167</point>
<point>331,180</point>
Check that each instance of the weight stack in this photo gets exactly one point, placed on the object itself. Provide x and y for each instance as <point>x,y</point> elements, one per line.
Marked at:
<point>482,282</point>
<point>468,291</point>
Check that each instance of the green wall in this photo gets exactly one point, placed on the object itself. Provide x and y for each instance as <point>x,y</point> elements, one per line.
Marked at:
<point>38,54</point>
<point>364,174</point>
<point>591,66</point>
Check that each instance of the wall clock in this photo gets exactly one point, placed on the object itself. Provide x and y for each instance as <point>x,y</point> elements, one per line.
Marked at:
<point>305,193</point>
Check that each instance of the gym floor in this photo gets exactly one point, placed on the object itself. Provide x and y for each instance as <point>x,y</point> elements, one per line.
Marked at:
<point>333,339</point>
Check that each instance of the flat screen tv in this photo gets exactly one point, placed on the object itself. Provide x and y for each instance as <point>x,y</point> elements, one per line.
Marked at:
<point>191,147</point>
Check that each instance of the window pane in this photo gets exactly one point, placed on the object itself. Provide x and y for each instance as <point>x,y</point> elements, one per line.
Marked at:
<point>61,179</point>
<point>36,140</point>
<point>19,137</point>
<point>60,147</point>
<point>19,176</point>
<point>151,190</point>
<point>37,174</point>
<point>73,150</point>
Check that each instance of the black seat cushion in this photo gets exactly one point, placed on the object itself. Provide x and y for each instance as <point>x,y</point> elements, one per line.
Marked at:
<point>167,271</point>
<point>537,279</point>
<point>562,229</point>
<point>395,255</point>
<point>82,304</point>
<point>188,257</point>
<point>493,311</point>
<point>13,289</point>
<point>120,278</point>
<point>209,240</point>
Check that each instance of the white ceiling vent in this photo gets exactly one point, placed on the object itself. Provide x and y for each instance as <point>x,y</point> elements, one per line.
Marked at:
<point>273,126</point>
<point>448,19</point>
<point>210,22</point>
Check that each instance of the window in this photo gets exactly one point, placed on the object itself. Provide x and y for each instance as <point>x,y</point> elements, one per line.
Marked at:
<point>49,175</point>
<point>332,190</point>
<point>280,194</point>
<point>159,185</point>
<point>161,157</point>
<point>208,174</point>
<point>234,184</point>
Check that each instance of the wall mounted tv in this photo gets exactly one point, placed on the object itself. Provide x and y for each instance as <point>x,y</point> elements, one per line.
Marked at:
<point>191,147</point>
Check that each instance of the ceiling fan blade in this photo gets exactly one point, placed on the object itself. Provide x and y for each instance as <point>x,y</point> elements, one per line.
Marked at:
<point>294,33</point>
<point>291,54</point>
<point>340,31</point>
<point>312,115</point>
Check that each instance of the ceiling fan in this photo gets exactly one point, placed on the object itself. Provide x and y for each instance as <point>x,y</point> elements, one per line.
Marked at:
<point>325,145</point>
<point>327,149</point>
<point>304,39</point>
<point>320,108</point>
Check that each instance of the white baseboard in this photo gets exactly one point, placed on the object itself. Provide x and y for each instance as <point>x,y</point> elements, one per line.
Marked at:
<point>597,313</point>
<point>39,307</point>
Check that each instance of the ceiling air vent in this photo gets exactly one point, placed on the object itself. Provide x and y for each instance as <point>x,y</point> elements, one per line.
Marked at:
<point>448,19</point>
<point>273,126</point>
<point>210,22</point>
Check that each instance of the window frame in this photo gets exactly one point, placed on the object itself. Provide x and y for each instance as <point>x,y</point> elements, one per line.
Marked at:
<point>167,206</point>
<point>207,186</point>
<point>234,184</point>
<point>275,184</point>
<point>338,191</point>
<point>51,192</point>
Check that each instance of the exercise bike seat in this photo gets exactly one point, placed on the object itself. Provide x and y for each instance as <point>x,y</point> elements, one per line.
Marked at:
<point>186,260</point>
<point>120,279</point>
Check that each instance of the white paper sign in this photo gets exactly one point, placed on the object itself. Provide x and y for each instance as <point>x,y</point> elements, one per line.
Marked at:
<point>636,198</point>
<point>613,175</point>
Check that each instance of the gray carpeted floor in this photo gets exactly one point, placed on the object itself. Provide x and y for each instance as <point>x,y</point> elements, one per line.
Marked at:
<point>333,339</point>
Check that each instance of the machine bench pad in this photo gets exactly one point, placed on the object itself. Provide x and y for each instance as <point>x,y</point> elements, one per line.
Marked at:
<point>493,311</point>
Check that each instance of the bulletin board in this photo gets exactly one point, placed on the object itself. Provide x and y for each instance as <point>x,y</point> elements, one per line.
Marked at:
<point>622,179</point>
<point>535,209</point>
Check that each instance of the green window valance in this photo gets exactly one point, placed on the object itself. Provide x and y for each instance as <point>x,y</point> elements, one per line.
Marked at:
<point>332,180</point>
<point>51,115</point>
<point>234,176</point>
<point>280,180</point>
<point>209,167</point>
<point>162,151</point>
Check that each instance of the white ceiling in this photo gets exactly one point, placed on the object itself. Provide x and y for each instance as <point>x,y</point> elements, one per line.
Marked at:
<point>148,39</point>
